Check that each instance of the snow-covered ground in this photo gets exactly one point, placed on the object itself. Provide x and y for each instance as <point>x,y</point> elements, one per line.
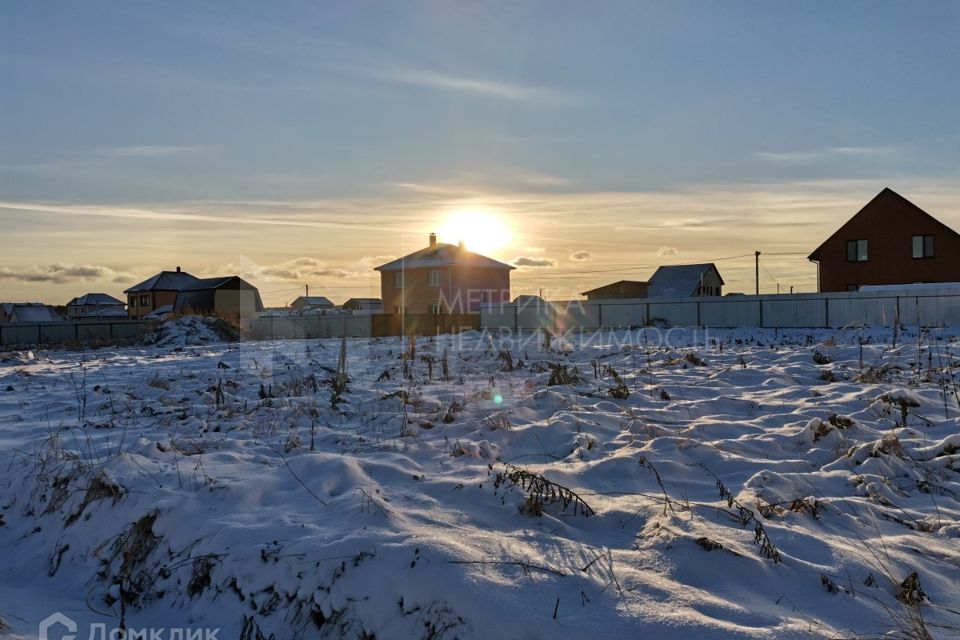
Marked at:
<point>736,484</point>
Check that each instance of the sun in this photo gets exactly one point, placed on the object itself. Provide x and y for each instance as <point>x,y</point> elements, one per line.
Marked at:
<point>481,230</point>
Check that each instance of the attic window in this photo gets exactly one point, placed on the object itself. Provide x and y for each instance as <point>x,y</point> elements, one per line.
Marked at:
<point>398,280</point>
<point>434,278</point>
<point>922,246</point>
<point>856,250</point>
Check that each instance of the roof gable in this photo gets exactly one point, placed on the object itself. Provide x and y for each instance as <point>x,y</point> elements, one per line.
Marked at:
<point>878,206</point>
<point>164,281</point>
<point>443,255</point>
<point>680,280</point>
<point>91,299</point>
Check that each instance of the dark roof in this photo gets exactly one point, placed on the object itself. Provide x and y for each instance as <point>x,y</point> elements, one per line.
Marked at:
<point>312,301</point>
<point>638,283</point>
<point>221,282</point>
<point>93,299</point>
<point>443,255</point>
<point>886,198</point>
<point>164,281</point>
<point>679,280</point>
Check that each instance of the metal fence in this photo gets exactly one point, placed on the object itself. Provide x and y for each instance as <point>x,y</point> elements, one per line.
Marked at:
<point>15,334</point>
<point>826,310</point>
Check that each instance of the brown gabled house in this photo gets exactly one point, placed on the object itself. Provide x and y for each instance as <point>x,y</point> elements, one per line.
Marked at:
<point>159,291</point>
<point>889,241</point>
<point>443,278</point>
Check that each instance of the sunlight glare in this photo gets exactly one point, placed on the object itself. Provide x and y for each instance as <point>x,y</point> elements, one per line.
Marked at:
<point>481,230</point>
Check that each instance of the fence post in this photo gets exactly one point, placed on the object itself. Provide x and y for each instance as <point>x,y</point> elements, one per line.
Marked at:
<point>760,302</point>
<point>826,313</point>
<point>699,322</point>
<point>599,315</point>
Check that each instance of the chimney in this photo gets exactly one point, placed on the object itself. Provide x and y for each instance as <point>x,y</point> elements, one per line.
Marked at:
<point>433,239</point>
<point>460,244</point>
<point>178,269</point>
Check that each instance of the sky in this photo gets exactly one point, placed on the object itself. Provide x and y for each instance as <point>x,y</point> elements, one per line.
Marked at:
<point>300,143</point>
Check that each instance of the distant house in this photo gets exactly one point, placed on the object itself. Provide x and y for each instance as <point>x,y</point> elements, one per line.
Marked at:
<point>365,305</point>
<point>685,281</point>
<point>443,278</point>
<point>311,303</point>
<point>158,291</point>
<point>27,312</point>
<point>618,290</point>
<point>229,296</point>
<point>94,305</point>
<point>889,241</point>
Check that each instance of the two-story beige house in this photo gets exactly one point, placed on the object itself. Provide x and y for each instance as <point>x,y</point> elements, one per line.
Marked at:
<point>443,278</point>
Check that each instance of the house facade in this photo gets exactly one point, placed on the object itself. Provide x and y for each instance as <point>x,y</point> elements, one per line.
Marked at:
<point>311,303</point>
<point>229,297</point>
<point>619,290</point>
<point>443,278</point>
<point>159,291</point>
<point>889,241</point>
<point>363,305</point>
<point>95,305</point>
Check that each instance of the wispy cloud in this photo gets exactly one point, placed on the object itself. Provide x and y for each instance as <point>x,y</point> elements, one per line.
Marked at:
<point>151,151</point>
<point>498,89</point>
<point>60,273</point>
<point>667,251</point>
<point>534,263</point>
<point>828,154</point>
<point>581,256</point>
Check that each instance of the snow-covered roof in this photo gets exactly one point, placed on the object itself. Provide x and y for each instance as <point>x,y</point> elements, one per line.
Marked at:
<point>159,312</point>
<point>443,255</point>
<point>679,281</point>
<point>33,313</point>
<point>106,312</point>
<point>94,299</point>
<point>165,281</point>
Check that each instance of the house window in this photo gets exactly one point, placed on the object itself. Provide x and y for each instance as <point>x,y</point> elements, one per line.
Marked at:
<point>399,281</point>
<point>144,301</point>
<point>434,279</point>
<point>856,250</point>
<point>133,301</point>
<point>400,309</point>
<point>435,309</point>
<point>922,246</point>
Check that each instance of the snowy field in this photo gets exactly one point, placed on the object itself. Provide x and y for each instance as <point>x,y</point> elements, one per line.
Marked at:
<point>736,484</point>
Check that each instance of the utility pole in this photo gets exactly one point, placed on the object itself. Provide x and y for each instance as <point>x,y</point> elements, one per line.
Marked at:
<point>306,290</point>
<point>757,271</point>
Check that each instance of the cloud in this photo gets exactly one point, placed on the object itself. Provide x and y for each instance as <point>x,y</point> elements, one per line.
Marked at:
<point>535,263</point>
<point>61,273</point>
<point>581,256</point>
<point>667,251</point>
<point>150,151</point>
<point>827,154</point>
<point>476,86</point>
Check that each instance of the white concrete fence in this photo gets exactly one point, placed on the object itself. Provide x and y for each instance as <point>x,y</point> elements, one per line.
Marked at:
<point>333,326</point>
<point>933,307</point>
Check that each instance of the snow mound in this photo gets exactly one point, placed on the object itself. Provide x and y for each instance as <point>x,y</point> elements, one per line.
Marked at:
<point>188,331</point>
